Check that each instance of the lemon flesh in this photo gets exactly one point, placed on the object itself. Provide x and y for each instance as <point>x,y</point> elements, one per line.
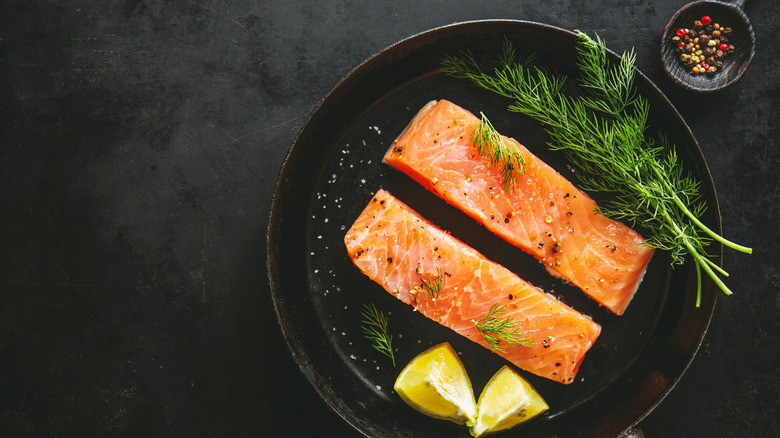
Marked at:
<point>436,384</point>
<point>506,401</point>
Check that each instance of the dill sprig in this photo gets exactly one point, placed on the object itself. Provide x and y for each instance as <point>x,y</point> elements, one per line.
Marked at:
<point>502,153</point>
<point>602,131</point>
<point>374,327</point>
<point>495,328</point>
<point>432,283</point>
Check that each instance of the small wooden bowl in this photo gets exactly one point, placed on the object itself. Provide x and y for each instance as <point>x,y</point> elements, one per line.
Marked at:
<point>742,37</point>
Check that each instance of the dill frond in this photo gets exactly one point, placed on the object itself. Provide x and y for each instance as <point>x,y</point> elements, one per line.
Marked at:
<point>432,284</point>
<point>375,329</point>
<point>496,328</point>
<point>502,153</point>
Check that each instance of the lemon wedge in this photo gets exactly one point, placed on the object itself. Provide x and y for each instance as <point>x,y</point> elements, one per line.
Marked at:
<point>506,401</point>
<point>436,384</point>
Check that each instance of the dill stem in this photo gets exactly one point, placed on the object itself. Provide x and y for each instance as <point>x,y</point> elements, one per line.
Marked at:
<point>676,199</point>
<point>707,230</point>
<point>716,267</point>
<point>700,261</point>
<point>698,285</point>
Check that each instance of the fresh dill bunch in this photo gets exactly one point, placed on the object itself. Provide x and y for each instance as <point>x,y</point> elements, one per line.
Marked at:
<point>375,329</point>
<point>496,328</point>
<point>602,132</point>
<point>502,153</point>
<point>432,283</point>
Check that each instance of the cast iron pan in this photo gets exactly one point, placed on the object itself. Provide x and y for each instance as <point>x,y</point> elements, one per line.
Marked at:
<point>330,174</point>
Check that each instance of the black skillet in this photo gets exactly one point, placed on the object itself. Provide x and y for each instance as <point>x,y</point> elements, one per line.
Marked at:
<point>330,174</point>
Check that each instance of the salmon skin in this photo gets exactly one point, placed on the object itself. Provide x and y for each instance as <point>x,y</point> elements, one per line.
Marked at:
<point>544,215</point>
<point>397,248</point>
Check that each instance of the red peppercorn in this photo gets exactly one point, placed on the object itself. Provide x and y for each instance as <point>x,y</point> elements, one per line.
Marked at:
<point>723,47</point>
<point>705,20</point>
<point>705,65</point>
<point>681,32</point>
<point>682,44</point>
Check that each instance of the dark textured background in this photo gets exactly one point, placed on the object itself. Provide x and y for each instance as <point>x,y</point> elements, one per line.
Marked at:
<point>139,146</point>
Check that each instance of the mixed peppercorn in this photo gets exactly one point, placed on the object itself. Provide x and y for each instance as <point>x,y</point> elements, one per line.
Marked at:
<point>703,48</point>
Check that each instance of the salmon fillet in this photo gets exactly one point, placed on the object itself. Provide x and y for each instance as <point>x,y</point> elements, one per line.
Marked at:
<point>395,247</point>
<point>544,215</point>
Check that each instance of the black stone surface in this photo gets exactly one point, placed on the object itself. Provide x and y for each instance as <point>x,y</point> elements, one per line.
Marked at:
<point>139,146</point>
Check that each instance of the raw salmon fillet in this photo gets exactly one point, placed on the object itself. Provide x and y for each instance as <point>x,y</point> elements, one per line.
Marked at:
<point>544,215</point>
<point>394,246</point>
